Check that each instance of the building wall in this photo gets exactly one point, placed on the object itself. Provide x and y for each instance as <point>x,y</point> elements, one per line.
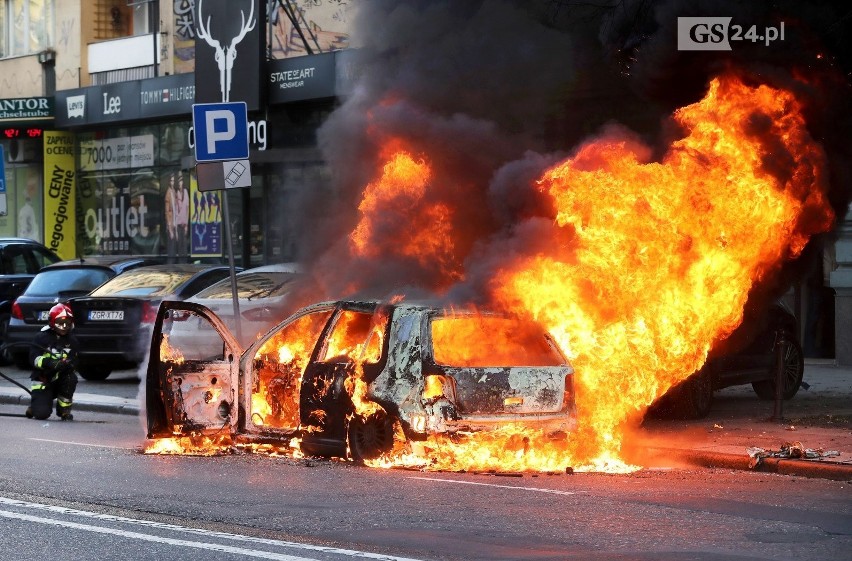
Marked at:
<point>21,77</point>
<point>67,34</point>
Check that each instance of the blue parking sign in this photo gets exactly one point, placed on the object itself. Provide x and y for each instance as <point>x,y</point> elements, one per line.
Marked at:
<point>221,131</point>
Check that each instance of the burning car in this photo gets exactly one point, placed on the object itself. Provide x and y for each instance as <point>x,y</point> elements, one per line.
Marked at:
<point>352,378</point>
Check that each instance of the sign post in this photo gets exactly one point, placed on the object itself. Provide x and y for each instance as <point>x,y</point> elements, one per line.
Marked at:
<point>3,207</point>
<point>222,150</point>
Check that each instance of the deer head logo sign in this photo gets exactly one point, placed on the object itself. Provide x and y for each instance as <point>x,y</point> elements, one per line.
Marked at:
<point>225,56</point>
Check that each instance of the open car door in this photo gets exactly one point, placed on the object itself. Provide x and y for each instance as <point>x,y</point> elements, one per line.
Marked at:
<point>193,374</point>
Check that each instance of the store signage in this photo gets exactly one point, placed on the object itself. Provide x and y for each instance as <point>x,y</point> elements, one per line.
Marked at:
<point>304,77</point>
<point>165,96</point>
<point>229,50</point>
<point>117,153</point>
<point>26,109</point>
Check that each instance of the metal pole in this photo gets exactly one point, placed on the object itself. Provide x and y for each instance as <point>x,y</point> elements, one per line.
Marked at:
<point>229,242</point>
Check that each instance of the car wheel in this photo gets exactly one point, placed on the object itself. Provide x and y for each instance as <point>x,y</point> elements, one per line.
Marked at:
<point>6,356</point>
<point>95,373</point>
<point>794,370</point>
<point>696,396</point>
<point>370,437</point>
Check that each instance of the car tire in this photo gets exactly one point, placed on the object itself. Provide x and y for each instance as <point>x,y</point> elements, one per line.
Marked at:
<point>696,396</point>
<point>6,356</point>
<point>370,437</point>
<point>794,370</point>
<point>95,373</point>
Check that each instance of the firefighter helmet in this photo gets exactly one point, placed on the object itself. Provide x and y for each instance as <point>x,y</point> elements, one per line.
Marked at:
<point>61,319</point>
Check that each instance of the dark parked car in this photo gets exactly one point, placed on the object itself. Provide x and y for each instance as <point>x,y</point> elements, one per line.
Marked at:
<point>426,370</point>
<point>749,356</point>
<point>20,260</point>
<point>57,283</point>
<point>113,322</point>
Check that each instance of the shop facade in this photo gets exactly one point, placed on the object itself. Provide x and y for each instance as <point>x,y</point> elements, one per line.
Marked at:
<point>134,166</point>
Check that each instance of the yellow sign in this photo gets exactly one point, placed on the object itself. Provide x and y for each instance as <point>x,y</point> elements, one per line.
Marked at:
<point>60,183</point>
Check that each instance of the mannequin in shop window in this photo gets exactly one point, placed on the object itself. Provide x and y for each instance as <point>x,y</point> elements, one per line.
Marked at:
<point>28,226</point>
<point>171,218</point>
<point>182,219</point>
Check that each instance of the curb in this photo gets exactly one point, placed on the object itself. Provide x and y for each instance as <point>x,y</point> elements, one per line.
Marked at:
<point>820,469</point>
<point>101,405</point>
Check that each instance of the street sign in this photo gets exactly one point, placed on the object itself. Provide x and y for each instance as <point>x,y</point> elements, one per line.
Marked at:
<point>221,131</point>
<point>213,176</point>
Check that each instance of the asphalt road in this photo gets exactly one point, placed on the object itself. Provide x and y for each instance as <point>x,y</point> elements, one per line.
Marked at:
<point>93,465</point>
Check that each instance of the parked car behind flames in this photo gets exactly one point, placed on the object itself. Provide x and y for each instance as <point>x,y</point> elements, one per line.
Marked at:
<point>749,355</point>
<point>113,322</point>
<point>57,283</point>
<point>429,370</point>
<point>262,293</point>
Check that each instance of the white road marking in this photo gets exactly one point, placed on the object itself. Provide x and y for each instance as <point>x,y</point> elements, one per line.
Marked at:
<point>186,530</point>
<point>518,488</point>
<point>81,444</point>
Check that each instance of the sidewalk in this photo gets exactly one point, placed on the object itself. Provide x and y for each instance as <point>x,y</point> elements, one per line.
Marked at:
<point>818,420</point>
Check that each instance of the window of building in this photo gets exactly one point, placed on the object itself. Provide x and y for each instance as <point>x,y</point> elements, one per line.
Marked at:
<point>26,26</point>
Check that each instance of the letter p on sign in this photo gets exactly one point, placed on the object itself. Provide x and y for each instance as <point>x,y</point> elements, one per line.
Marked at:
<point>221,131</point>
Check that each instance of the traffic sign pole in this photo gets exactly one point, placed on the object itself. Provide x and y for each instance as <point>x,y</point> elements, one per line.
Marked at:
<point>228,237</point>
<point>221,135</point>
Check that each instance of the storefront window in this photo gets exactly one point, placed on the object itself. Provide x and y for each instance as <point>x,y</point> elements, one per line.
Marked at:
<point>130,199</point>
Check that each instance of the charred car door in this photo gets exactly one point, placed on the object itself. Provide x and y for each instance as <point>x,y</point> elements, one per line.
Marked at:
<point>193,373</point>
<point>325,402</point>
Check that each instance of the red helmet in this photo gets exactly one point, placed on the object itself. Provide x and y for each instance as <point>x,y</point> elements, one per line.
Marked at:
<point>60,312</point>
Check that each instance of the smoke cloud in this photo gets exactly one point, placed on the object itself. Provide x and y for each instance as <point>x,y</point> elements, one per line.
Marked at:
<point>496,91</point>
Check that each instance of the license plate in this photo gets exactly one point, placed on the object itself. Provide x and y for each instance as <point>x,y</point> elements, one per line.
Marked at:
<point>42,315</point>
<point>106,315</point>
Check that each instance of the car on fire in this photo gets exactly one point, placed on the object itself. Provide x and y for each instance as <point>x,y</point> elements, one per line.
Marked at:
<point>350,377</point>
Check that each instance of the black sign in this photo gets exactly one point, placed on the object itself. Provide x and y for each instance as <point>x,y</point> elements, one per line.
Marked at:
<point>304,77</point>
<point>229,39</point>
<point>167,95</point>
<point>114,102</point>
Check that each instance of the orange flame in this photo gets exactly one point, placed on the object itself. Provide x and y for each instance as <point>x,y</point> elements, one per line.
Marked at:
<point>665,253</point>
<point>402,190</point>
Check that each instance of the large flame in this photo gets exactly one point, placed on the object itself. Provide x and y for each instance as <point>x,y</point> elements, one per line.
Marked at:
<point>665,253</point>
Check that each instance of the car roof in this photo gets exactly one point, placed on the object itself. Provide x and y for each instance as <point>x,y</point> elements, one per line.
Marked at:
<point>24,241</point>
<point>18,240</point>
<point>116,264</point>
<point>275,268</point>
<point>181,267</point>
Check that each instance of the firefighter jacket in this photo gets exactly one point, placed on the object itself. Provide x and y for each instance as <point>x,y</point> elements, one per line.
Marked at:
<point>52,353</point>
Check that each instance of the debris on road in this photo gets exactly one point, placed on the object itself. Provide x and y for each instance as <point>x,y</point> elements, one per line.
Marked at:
<point>790,450</point>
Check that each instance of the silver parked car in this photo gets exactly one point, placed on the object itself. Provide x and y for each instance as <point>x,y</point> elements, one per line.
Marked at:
<point>425,369</point>
<point>262,294</point>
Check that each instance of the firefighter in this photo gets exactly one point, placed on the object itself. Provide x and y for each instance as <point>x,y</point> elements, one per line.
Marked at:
<point>54,357</point>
